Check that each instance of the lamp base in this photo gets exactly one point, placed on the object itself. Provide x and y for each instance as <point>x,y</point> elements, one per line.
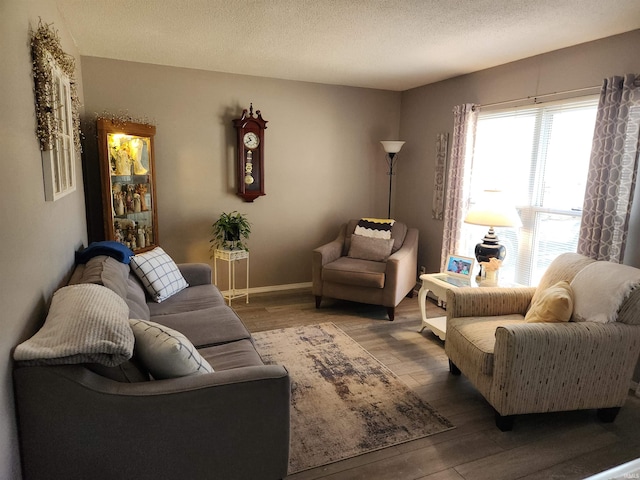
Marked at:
<point>489,248</point>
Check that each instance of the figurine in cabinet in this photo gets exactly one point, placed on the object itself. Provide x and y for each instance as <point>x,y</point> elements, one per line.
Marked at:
<point>127,172</point>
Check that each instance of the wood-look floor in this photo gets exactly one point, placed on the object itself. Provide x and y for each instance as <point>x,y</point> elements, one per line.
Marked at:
<point>568,445</point>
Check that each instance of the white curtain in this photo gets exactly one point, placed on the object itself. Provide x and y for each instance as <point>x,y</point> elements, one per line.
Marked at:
<point>612,171</point>
<point>465,119</point>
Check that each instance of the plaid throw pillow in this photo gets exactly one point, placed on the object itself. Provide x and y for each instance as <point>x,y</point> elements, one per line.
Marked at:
<point>166,352</point>
<point>159,274</point>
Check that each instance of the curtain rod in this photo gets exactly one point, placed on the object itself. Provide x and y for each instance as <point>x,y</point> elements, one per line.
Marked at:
<point>536,97</point>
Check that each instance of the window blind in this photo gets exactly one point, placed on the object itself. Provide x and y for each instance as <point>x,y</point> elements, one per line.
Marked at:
<point>539,156</point>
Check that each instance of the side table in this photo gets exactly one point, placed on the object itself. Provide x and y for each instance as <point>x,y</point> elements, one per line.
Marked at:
<point>436,283</point>
<point>231,257</point>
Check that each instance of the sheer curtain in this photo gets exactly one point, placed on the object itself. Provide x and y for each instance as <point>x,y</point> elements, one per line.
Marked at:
<point>612,170</point>
<point>465,119</point>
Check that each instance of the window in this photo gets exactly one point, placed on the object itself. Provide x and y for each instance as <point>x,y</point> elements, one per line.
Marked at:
<point>539,156</point>
<point>56,107</point>
<point>59,161</point>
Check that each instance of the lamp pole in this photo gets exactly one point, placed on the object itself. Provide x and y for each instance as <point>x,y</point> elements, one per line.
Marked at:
<point>391,147</point>
<point>390,173</point>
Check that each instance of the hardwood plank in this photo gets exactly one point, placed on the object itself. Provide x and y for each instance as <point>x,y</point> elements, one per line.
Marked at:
<point>564,445</point>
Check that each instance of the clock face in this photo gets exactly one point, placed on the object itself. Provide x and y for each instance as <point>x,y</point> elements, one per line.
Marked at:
<point>251,140</point>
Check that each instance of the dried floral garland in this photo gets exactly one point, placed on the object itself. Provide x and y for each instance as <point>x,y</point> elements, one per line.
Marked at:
<point>122,118</point>
<point>45,46</point>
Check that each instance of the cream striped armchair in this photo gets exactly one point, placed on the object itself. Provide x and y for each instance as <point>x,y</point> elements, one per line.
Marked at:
<point>522,367</point>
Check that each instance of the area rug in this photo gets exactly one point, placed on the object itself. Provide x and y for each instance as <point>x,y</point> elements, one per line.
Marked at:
<point>344,402</point>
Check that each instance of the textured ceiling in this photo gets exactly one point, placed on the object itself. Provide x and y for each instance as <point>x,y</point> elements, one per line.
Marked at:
<point>386,44</point>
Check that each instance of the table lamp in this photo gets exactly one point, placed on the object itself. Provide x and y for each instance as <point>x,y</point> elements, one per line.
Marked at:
<point>492,210</point>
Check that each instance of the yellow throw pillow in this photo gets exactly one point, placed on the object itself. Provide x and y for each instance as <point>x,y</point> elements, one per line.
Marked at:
<point>555,304</point>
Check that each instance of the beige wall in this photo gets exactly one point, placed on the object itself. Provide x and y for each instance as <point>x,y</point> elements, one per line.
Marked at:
<point>37,238</point>
<point>323,160</point>
<point>427,111</point>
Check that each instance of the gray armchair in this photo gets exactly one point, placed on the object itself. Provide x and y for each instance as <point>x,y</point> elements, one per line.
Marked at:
<point>387,282</point>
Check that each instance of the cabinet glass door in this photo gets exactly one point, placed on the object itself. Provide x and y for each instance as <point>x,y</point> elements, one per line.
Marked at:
<point>128,192</point>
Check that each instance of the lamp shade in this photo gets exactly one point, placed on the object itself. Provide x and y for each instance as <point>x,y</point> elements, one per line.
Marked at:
<point>392,146</point>
<point>493,210</point>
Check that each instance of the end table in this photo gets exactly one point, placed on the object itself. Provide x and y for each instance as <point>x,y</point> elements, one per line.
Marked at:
<point>435,282</point>
<point>231,257</point>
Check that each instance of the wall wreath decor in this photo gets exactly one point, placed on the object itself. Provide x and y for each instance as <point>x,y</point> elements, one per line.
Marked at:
<point>57,111</point>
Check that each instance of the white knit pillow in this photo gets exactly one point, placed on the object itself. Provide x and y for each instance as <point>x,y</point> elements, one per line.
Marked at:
<point>86,323</point>
<point>165,352</point>
<point>159,274</point>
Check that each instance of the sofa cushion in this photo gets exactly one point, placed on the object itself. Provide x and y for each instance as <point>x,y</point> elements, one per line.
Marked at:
<point>370,248</point>
<point>165,352</point>
<point>475,338</point>
<point>197,297</point>
<point>352,271</point>
<point>205,327</point>
<point>554,305</point>
<point>159,274</point>
<point>232,355</point>
<point>86,323</point>
<point>136,299</point>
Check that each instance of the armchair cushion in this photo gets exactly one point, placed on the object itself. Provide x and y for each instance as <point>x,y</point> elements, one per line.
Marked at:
<point>474,338</point>
<point>554,305</point>
<point>353,271</point>
<point>370,248</point>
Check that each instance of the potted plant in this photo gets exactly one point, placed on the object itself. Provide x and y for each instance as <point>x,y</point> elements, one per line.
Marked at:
<point>230,232</point>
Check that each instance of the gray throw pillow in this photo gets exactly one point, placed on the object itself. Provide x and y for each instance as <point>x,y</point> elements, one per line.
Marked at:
<point>368,248</point>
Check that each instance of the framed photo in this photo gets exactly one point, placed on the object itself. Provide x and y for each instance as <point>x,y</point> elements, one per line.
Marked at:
<point>460,266</point>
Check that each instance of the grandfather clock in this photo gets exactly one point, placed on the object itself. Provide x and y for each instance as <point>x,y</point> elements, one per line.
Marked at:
<point>250,154</point>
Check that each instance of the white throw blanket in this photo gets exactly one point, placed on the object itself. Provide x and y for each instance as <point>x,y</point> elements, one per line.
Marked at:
<point>599,290</point>
<point>86,323</point>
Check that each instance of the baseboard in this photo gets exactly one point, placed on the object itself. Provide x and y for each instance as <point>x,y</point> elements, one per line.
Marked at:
<point>275,288</point>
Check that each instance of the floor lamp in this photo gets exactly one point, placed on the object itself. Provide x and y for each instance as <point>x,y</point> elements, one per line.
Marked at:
<point>392,148</point>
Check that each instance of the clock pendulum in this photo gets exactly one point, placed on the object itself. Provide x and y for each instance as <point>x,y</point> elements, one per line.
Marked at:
<point>248,169</point>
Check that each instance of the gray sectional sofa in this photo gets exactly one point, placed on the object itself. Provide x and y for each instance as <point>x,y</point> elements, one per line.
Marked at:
<point>83,421</point>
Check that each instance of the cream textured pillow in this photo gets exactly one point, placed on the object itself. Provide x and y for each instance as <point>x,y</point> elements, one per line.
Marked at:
<point>600,290</point>
<point>159,274</point>
<point>555,304</point>
<point>165,352</point>
<point>86,323</point>
<point>369,248</point>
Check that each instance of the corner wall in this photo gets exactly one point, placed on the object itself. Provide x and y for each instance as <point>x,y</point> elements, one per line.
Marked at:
<point>427,111</point>
<point>323,160</point>
<point>37,238</point>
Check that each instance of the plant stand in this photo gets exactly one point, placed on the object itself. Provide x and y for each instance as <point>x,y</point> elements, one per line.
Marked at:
<point>231,257</point>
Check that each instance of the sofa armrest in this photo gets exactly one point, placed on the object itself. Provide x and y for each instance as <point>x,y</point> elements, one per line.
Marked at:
<point>196,273</point>
<point>488,301</point>
<point>540,367</point>
<point>75,424</point>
